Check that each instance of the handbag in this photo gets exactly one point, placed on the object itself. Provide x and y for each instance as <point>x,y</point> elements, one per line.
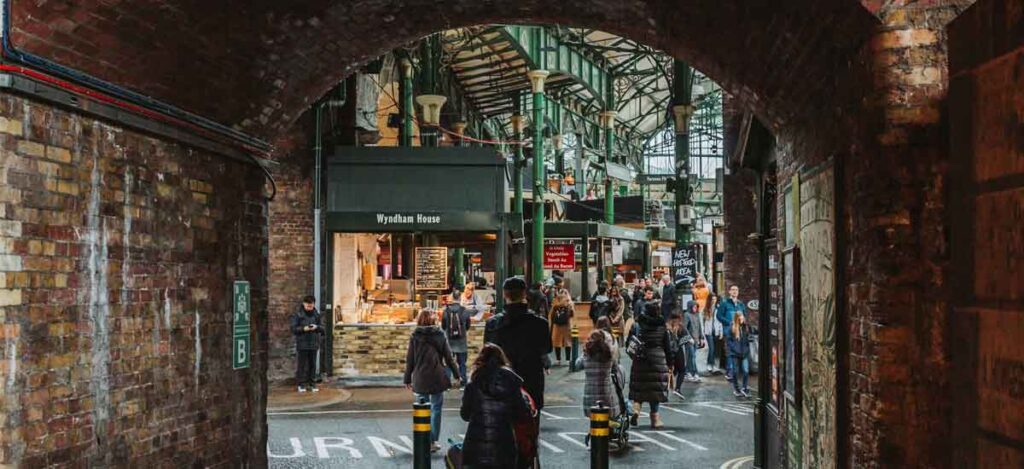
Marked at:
<point>635,347</point>
<point>453,458</point>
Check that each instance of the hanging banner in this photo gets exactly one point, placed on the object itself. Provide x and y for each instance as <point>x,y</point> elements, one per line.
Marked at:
<point>560,256</point>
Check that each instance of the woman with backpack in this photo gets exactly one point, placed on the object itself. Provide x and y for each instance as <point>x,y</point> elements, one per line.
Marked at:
<point>560,317</point>
<point>425,361</point>
<point>492,404</point>
<point>455,321</point>
<point>648,380</point>
<point>738,343</point>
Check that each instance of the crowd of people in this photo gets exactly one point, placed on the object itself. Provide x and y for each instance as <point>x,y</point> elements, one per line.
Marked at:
<point>503,388</point>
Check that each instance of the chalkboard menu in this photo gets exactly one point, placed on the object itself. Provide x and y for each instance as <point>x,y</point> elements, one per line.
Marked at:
<point>431,268</point>
<point>684,264</point>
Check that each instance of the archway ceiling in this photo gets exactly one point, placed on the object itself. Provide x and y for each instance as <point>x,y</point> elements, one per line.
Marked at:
<point>259,64</point>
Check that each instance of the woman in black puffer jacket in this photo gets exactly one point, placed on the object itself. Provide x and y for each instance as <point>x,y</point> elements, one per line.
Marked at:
<point>648,378</point>
<point>491,404</point>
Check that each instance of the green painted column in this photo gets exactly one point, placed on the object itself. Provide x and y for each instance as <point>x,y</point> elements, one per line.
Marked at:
<point>682,110</point>
<point>459,261</point>
<point>608,122</point>
<point>517,167</point>
<point>537,78</point>
<point>408,108</point>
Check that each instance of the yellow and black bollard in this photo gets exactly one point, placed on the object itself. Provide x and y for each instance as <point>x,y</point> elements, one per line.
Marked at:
<point>575,348</point>
<point>421,435</point>
<point>599,435</point>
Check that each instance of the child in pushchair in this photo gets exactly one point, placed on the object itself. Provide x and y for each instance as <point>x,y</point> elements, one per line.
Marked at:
<point>604,386</point>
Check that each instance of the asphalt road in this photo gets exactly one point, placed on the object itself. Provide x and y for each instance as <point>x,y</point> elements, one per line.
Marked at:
<point>709,429</point>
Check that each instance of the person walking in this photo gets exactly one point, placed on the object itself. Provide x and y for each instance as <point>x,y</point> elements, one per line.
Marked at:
<point>307,329</point>
<point>728,308</point>
<point>455,321</point>
<point>426,358</point>
<point>617,312</point>
<point>560,318</point>
<point>669,302</point>
<point>693,327</point>
<point>700,291</point>
<point>492,404</point>
<point>738,339</point>
<point>598,363</point>
<point>600,303</point>
<point>537,299</point>
<point>712,332</point>
<point>525,338</point>
<point>679,340</point>
<point>648,381</point>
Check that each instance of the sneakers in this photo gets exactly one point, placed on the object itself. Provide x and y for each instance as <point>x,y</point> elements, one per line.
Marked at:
<point>302,389</point>
<point>692,379</point>
<point>679,394</point>
<point>315,389</point>
<point>737,393</point>
<point>435,447</point>
<point>745,393</point>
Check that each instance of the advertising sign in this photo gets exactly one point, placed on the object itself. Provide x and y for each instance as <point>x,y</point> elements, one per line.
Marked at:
<point>431,268</point>
<point>684,264</point>
<point>560,257</point>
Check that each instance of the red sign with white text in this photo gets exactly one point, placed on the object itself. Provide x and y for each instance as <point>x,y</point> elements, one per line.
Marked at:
<point>560,257</point>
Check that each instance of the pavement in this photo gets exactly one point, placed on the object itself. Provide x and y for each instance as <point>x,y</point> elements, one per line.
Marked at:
<point>371,428</point>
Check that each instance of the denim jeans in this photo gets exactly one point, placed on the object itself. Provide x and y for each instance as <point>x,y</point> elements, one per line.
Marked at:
<point>655,405</point>
<point>460,359</point>
<point>436,404</point>
<point>740,366</point>
<point>710,341</point>
<point>691,358</point>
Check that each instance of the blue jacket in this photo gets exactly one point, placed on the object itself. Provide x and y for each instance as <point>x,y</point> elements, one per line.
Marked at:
<point>738,346</point>
<point>726,310</point>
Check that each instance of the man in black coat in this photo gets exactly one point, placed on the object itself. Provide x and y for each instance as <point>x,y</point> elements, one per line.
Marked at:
<point>305,325</point>
<point>524,336</point>
<point>668,297</point>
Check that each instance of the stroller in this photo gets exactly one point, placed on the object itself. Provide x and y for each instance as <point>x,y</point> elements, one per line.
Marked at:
<point>618,439</point>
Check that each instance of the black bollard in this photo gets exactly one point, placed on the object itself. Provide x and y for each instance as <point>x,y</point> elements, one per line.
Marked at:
<point>599,434</point>
<point>575,348</point>
<point>421,435</point>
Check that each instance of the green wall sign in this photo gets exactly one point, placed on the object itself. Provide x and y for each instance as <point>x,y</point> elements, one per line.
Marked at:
<point>241,343</point>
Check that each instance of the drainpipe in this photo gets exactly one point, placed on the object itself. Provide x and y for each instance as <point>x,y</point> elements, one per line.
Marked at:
<point>537,78</point>
<point>317,199</point>
<point>517,166</point>
<point>682,110</point>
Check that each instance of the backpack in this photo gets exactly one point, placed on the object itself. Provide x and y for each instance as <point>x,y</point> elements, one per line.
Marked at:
<point>561,315</point>
<point>454,323</point>
<point>599,307</point>
<point>635,347</point>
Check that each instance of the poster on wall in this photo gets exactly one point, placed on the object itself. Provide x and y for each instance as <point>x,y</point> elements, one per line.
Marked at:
<point>774,323</point>
<point>431,268</point>
<point>791,321</point>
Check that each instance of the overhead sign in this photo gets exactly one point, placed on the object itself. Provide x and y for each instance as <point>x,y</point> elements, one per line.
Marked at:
<point>241,343</point>
<point>560,256</point>
<point>684,264</point>
<point>618,171</point>
<point>654,178</point>
<point>431,268</point>
<point>384,222</point>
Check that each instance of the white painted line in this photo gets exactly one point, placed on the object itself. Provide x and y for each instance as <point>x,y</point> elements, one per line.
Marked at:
<point>640,436</point>
<point>390,411</point>
<point>567,437</point>
<point>739,408</point>
<point>678,411</point>
<point>297,451</point>
<point>323,443</point>
<point>723,409</point>
<point>550,446</point>
<point>736,463</point>
<point>668,434</point>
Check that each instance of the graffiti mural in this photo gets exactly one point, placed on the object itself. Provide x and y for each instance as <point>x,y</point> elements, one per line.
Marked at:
<point>818,320</point>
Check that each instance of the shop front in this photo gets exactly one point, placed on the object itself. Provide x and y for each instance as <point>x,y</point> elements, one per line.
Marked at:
<point>601,252</point>
<point>404,227</point>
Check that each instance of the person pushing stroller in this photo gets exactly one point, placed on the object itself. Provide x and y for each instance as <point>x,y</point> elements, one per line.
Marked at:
<point>603,385</point>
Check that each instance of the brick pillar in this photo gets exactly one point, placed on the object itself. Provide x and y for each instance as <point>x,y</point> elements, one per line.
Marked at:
<point>897,251</point>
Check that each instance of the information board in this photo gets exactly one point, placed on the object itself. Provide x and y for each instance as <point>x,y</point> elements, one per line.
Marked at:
<point>684,265</point>
<point>241,343</point>
<point>431,268</point>
<point>560,256</point>
<point>774,321</point>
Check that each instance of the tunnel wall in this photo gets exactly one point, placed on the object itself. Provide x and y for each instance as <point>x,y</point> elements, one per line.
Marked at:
<point>117,256</point>
<point>986,109</point>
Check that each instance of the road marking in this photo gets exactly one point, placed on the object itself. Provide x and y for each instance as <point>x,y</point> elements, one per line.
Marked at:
<point>679,411</point>
<point>385,448</point>
<point>736,463</point>
<point>550,446</point>
<point>668,434</point>
<point>322,445</point>
<point>387,411</point>
<point>297,451</point>
<point>566,436</point>
<point>637,435</point>
<point>723,409</point>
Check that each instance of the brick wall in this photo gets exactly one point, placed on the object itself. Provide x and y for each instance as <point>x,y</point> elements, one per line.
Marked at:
<point>291,257</point>
<point>117,252</point>
<point>741,260</point>
<point>379,350</point>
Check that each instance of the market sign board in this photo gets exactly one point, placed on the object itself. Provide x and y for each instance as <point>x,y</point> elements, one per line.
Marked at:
<point>431,268</point>
<point>241,343</point>
<point>560,256</point>
<point>684,264</point>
